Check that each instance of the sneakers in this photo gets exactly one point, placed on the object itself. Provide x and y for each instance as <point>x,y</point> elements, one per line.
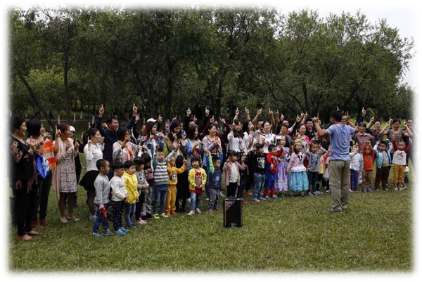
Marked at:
<point>244,202</point>
<point>255,200</point>
<point>173,213</point>
<point>207,198</point>
<point>168,213</point>
<point>273,197</point>
<point>396,189</point>
<point>140,221</point>
<point>97,235</point>
<point>310,194</point>
<point>124,229</point>
<point>198,210</point>
<point>210,210</point>
<point>369,190</point>
<point>262,199</point>
<point>191,213</point>
<point>334,210</point>
<point>302,194</point>
<point>164,215</point>
<point>222,195</point>
<point>364,190</point>
<point>108,233</point>
<point>120,232</point>
<point>384,189</point>
<point>155,216</point>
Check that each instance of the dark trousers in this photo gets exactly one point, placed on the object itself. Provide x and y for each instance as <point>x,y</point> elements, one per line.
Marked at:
<point>139,204</point>
<point>354,179</point>
<point>413,156</point>
<point>312,178</point>
<point>382,175</point>
<point>231,189</point>
<point>44,186</point>
<point>117,213</point>
<point>25,202</point>
<point>240,190</point>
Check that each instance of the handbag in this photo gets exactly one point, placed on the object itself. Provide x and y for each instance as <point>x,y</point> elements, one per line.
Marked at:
<point>42,166</point>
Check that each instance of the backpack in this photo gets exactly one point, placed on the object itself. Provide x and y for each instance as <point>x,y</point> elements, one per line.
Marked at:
<point>42,166</point>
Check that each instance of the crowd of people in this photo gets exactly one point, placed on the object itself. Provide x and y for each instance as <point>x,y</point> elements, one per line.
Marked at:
<point>153,173</point>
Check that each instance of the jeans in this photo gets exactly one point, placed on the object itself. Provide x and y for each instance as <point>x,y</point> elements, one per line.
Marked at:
<point>44,186</point>
<point>100,219</point>
<point>413,156</point>
<point>354,179</point>
<point>160,193</point>
<point>259,179</point>
<point>214,196</point>
<point>195,201</point>
<point>129,212</point>
<point>312,178</point>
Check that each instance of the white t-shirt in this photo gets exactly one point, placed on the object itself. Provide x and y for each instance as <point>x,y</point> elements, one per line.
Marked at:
<point>234,176</point>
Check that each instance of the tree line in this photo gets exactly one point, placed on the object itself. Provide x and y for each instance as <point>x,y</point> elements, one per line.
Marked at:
<point>166,60</point>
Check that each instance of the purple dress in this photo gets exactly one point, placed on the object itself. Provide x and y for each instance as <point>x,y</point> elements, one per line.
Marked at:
<point>281,183</point>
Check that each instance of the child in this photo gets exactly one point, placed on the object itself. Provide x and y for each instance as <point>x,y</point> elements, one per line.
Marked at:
<point>271,166</point>
<point>231,168</point>
<point>173,171</point>
<point>131,183</point>
<point>142,186</point>
<point>118,196</point>
<point>282,179</point>
<point>368,155</point>
<point>102,190</point>
<point>182,185</point>
<point>313,156</point>
<point>258,159</point>
<point>197,179</point>
<point>399,162</point>
<point>146,212</point>
<point>161,179</point>
<point>298,181</point>
<point>214,182</point>
<point>326,174</point>
<point>383,165</point>
<point>355,164</point>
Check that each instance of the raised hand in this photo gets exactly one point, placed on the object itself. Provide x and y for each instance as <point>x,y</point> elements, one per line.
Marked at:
<point>281,117</point>
<point>76,145</point>
<point>89,142</point>
<point>207,111</point>
<point>237,111</point>
<point>270,111</point>
<point>68,145</point>
<point>363,111</point>
<point>58,133</point>
<point>223,120</point>
<point>259,111</point>
<point>212,119</point>
<point>134,109</point>
<point>188,111</point>
<point>298,118</point>
<point>195,119</point>
<point>246,111</point>
<point>137,118</point>
<point>101,111</point>
<point>390,121</point>
<point>159,119</point>
<point>372,119</point>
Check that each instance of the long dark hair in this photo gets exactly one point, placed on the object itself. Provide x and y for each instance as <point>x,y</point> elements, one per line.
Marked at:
<point>190,133</point>
<point>148,128</point>
<point>121,133</point>
<point>173,125</point>
<point>245,127</point>
<point>237,134</point>
<point>33,127</point>
<point>15,123</point>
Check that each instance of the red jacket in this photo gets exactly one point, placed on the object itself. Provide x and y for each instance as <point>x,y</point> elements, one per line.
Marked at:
<point>272,160</point>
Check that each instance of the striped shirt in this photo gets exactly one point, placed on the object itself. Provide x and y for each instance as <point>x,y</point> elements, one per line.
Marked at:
<point>49,154</point>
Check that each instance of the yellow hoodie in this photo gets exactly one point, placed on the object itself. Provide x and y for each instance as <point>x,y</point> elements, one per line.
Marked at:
<point>131,183</point>
<point>173,172</point>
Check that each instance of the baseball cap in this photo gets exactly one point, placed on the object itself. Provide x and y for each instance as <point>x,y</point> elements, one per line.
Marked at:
<point>72,129</point>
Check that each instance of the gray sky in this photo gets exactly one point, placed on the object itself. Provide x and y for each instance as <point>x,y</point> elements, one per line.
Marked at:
<point>406,16</point>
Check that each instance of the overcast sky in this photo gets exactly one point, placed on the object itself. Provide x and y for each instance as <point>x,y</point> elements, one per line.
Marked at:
<point>406,16</point>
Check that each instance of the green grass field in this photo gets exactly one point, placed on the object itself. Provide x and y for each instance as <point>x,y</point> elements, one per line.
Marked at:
<point>283,235</point>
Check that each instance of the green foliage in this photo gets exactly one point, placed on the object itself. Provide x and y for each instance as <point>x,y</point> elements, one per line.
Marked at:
<point>166,60</point>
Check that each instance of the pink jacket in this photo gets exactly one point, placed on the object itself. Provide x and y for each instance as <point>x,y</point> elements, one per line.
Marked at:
<point>228,170</point>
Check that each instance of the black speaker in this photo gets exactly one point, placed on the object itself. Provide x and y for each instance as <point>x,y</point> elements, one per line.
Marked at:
<point>232,212</point>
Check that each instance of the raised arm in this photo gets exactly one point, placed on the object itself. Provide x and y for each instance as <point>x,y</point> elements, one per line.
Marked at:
<point>321,132</point>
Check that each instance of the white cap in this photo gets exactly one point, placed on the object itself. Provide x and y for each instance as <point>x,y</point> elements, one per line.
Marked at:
<point>72,129</point>
<point>151,120</point>
<point>406,170</point>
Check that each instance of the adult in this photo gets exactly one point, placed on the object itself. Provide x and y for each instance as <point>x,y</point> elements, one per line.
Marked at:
<point>413,154</point>
<point>310,130</point>
<point>235,137</point>
<point>43,188</point>
<point>394,131</point>
<point>123,149</point>
<point>362,136</point>
<point>93,152</point>
<point>110,133</point>
<point>172,139</point>
<point>78,166</point>
<point>248,130</point>
<point>23,179</point>
<point>192,145</point>
<point>376,132</point>
<point>306,142</point>
<point>64,176</point>
<point>339,159</point>
<point>266,137</point>
<point>284,133</point>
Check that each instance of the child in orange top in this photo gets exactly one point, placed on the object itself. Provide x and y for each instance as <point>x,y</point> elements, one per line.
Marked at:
<point>368,154</point>
<point>173,171</point>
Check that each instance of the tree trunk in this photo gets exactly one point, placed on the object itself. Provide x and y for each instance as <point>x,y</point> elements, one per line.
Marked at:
<point>36,100</point>
<point>66,84</point>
